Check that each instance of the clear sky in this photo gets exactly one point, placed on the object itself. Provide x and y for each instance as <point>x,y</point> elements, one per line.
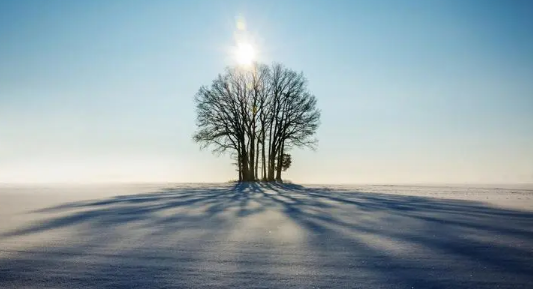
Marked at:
<point>410,91</point>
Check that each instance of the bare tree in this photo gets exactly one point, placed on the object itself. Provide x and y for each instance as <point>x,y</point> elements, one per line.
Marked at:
<point>258,112</point>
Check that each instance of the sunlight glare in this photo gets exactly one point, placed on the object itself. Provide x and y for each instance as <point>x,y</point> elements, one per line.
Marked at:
<point>245,54</point>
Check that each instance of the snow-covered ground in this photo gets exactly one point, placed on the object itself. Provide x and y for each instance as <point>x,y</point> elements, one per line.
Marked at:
<point>228,236</point>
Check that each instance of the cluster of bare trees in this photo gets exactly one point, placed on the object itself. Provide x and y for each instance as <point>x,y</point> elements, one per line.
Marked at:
<point>257,114</point>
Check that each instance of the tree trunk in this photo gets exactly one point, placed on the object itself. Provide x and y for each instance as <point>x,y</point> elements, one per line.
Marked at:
<point>239,163</point>
<point>244,161</point>
<point>252,158</point>
<point>272,165</point>
<point>257,161</point>
<point>280,162</point>
<point>263,156</point>
<point>270,153</point>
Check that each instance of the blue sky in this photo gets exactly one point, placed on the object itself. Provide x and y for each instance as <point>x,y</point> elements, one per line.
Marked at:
<point>410,91</point>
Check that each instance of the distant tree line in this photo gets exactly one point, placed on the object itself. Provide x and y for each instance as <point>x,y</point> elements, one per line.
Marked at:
<point>257,114</point>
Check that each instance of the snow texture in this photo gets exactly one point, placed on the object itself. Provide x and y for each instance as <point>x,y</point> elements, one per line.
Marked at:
<point>265,236</point>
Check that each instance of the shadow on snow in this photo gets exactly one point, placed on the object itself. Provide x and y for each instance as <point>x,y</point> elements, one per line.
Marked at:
<point>182,237</point>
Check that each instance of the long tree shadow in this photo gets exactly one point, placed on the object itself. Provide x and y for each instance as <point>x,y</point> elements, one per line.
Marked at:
<point>199,236</point>
<point>489,239</point>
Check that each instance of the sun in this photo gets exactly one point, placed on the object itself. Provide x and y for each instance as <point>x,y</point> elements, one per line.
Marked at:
<point>245,54</point>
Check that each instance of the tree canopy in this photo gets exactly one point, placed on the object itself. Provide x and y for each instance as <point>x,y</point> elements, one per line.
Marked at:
<point>257,114</point>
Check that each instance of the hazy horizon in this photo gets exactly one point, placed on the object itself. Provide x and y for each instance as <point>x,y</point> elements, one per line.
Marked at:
<point>410,93</point>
